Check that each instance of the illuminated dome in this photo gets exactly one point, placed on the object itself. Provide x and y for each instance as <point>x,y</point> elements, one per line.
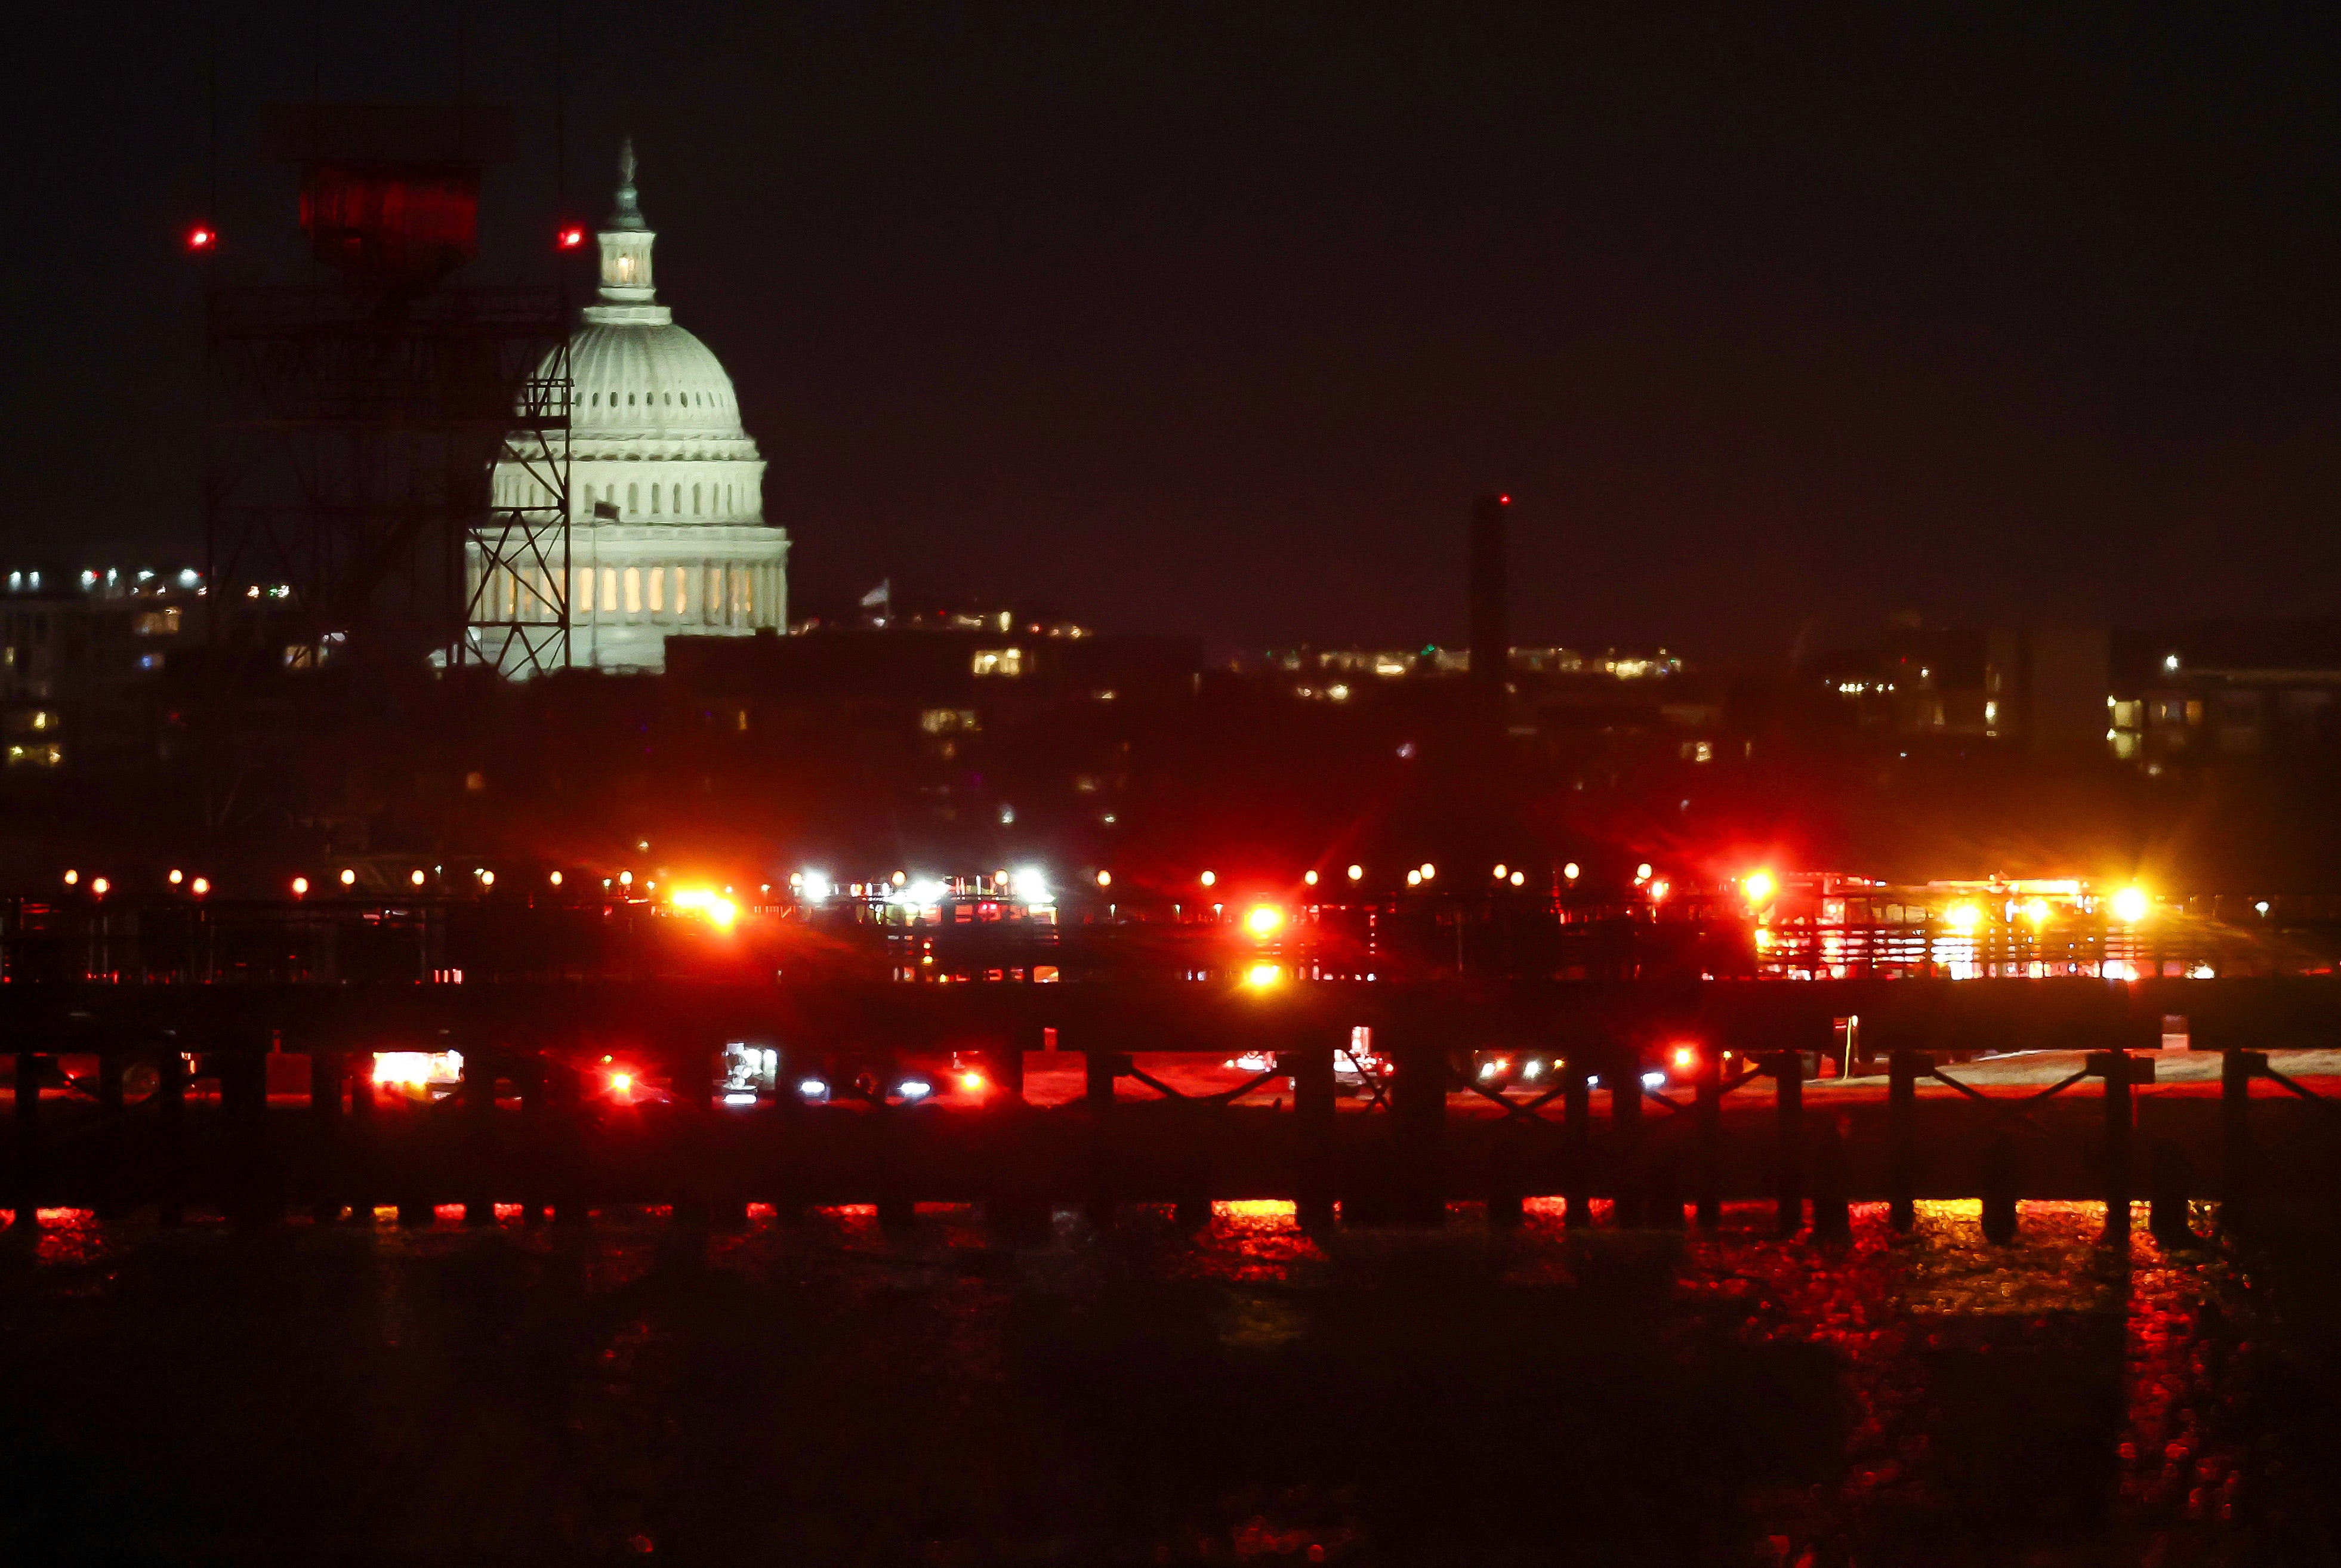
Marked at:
<point>667,533</point>
<point>643,380</point>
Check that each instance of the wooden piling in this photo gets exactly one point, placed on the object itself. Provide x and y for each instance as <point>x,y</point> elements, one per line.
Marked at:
<point>1100,1068</point>
<point>1904,1068</point>
<point>2237,1162</point>
<point>1621,1075</point>
<point>112,1062</point>
<point>1999,1184</point>
<point>1314,1105</point>
<point>1577,1142</point>
<point>24,1178</point>
<point>326,1069</point>
<point>171,1121</point>
<point>1788,1069</point>
<point>1707,1111</point>
<point>1832,1210</point>
<point>2121,1072</point>
<point>1419,1123</point>
<point>242,1067</point>
<point>2170,1181</point>
<point>476,1104</point>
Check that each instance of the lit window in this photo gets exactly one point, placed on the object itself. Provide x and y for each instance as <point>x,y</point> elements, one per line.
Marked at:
<point>681,591</point>
<point>609,590</point>
<point>999,661</point>
<point>658,589</point>
<point>633,590</point>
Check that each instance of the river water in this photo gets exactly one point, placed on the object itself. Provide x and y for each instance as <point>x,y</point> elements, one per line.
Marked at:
<point>819,1391</point>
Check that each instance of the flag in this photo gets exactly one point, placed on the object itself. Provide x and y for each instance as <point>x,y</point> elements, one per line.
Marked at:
<point>880,597</point>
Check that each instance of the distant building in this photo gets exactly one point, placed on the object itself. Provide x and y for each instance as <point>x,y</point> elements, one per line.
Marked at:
<point>82,656</point>
<point>2043,691</point>
<point>986,717</point>
<point>2227,691</point>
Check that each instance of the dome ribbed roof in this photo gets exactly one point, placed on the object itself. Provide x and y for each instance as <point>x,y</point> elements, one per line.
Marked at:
<point>648,380</point>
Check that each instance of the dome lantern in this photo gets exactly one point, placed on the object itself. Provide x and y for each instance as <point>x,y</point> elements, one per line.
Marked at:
<point>628,294</point>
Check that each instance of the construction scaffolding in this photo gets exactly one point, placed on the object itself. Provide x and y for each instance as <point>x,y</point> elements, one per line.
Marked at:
<point>352,531</point>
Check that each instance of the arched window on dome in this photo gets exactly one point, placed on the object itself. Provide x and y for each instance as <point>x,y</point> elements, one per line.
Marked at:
<point>634,591</point>
<point>609,590</point>
<point>654,500</point>
<point>682,593</point>
<point>634,498</point>
<point>694,501</point>
<point>657,586</point>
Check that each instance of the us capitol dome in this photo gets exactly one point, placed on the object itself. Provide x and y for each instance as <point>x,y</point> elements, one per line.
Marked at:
<point>667,531</point>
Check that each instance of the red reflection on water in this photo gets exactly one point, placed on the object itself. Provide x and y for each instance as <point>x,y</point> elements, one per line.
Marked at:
<point>70,1235</point>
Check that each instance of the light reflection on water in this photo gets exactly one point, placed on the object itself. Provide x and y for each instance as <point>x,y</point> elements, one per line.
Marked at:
<point>2065,1384</point>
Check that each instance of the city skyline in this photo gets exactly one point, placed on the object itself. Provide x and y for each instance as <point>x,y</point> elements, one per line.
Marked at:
<point>1198,325</point>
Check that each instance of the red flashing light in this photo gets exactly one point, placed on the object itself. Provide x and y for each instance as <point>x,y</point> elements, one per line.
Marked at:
<point>571,237</point>
<point>202,237</point>
<point>1503,500</point>
<point>1685,1058</point>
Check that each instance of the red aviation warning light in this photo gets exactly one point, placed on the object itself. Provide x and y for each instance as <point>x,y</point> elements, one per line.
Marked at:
<point>571,237</point>
<point>201,238</point>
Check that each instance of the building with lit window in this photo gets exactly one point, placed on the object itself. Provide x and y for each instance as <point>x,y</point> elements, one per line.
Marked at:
<point>667,530</point>
<point>2228,692</point>
<point>82,657</point>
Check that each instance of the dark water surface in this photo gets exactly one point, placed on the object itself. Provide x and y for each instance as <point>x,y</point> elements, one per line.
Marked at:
<point>819,1392</point>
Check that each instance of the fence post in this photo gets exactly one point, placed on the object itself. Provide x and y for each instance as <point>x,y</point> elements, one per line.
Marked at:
<point>1622,1073</point>
<point>1708,1107</point>
<point>1787,1067</point>
<point>1419,1122</point>
<point>1314,1104</point>
<point>2237,1070</point>
<point>1999,1178</point>
<point>1904,1068</point>
<point>1577,1143</point>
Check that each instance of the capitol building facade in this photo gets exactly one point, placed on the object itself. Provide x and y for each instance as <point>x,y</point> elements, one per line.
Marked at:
<point>667,531</point>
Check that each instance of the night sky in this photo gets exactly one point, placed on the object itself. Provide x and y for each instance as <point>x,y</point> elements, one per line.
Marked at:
<point>1212,318</point>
